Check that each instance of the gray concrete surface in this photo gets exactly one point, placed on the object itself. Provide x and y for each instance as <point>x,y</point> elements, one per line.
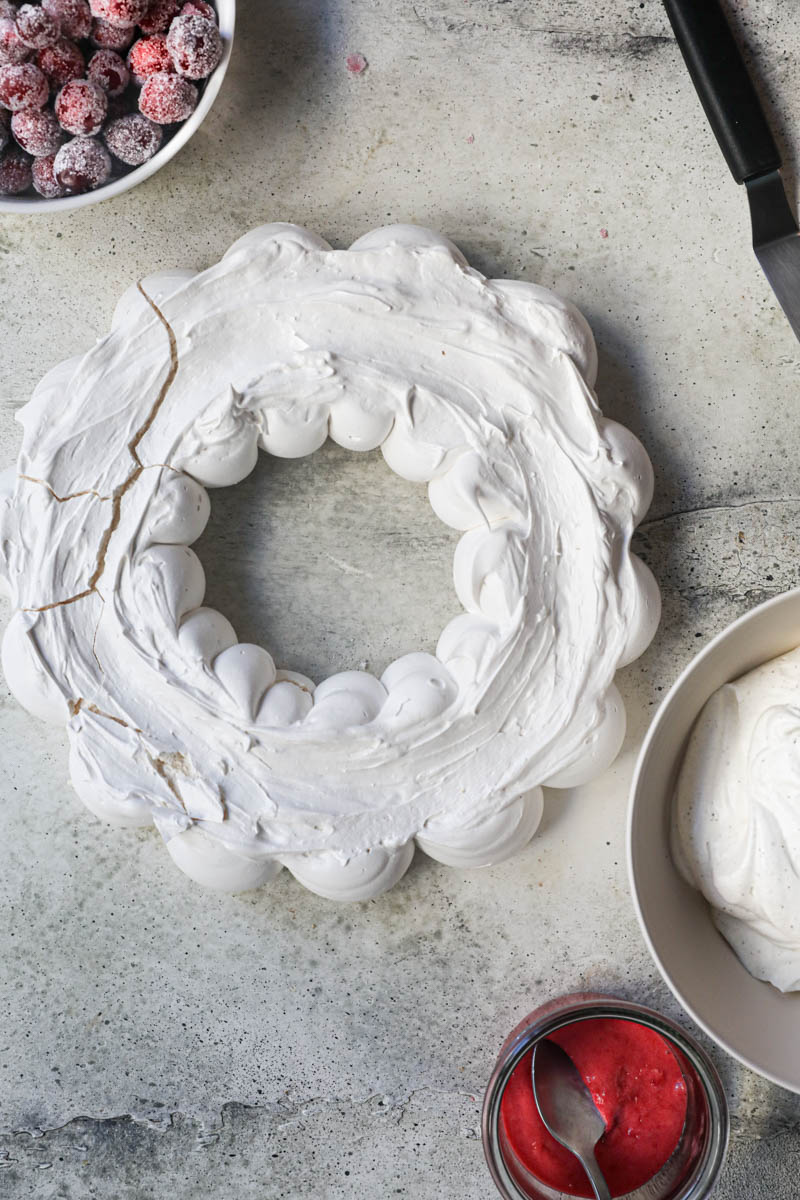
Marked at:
<point>160,1042</point>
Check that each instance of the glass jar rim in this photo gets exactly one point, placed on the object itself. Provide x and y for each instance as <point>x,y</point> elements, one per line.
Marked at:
<point>576,1008</point>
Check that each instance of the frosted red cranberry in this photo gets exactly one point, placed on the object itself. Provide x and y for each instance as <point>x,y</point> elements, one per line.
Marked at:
<point>81,107</point>
<point>147,56</point>
<point>194,45</point>
<point>120,12</point>
<point>158,16</point>
<point>109,72</point>
<point>74,16</point>
<point>61,62</point>
<point>15,173</point>
<point>23,86</point>
<point>7,9</point>
<point>44,179</point>
<point>167,98</point>
<point>37,131</point>
<point>82,165</point>
<point>111,37</point>
<point>199,8</point>
<point>12,48</point>
<point>133,139</point>
<point>36,27</point>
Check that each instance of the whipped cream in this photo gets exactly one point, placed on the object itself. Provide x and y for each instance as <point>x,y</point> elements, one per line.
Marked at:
<point>737,817</point>
<point>481,389</point>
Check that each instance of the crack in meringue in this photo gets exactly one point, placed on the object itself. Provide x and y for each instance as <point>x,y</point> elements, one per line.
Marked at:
<point>120,491</point>
<point>63,499</point>
<point>75,707</point>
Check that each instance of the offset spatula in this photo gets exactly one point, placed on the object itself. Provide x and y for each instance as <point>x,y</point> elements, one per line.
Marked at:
<point>737,118</point>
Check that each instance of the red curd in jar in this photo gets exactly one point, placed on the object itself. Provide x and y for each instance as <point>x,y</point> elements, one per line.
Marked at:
<point>637,1085</point>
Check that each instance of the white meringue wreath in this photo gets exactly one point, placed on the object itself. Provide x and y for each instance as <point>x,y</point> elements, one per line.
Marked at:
<point>479,388</point>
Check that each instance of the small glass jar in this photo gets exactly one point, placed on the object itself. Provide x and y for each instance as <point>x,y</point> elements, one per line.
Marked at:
<point>695,1164</point>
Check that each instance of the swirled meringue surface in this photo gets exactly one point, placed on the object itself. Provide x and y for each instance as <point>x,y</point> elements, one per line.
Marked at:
<point>480,389</point>
<point>737,817</point>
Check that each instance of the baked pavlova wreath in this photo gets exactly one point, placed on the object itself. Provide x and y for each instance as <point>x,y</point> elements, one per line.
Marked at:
<point>481,389</point>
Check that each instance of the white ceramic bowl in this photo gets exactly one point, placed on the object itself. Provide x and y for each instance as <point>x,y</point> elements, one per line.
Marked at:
<point>750,1019</point>
<point>32,203</point>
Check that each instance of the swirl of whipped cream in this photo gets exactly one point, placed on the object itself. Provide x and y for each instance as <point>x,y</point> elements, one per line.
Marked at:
<point>482,389</point>
<point>736,834</point>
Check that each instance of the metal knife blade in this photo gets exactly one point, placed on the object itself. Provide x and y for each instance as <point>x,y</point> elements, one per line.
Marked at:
<point>737,118</point>
<point>776,241</point>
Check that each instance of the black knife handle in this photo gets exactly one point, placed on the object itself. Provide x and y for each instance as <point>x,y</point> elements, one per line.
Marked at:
<point>725,89</point>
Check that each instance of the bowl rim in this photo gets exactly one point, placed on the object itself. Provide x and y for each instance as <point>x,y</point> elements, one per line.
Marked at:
<point>634,800</point>
<point>34,205</point>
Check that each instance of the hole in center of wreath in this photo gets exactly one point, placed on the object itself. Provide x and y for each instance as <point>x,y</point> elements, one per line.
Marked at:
<point>330,562</point>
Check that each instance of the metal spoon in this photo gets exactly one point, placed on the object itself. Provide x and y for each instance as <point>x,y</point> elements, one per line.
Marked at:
<point>566,1106</point>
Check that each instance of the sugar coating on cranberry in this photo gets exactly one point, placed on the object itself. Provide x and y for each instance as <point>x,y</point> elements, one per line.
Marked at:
<point>82,165</point>
<point>61,62</point>
<point>178,42</point>
<point>120,12</point>
<point>44,179</point>
<point>36,27</point>
<point>133,139</point>
<point>74,16</point>
<point>109,72</point>
<point>37,131</point>
<point>147,56</point>
<point>15,173</point>
<point>167,98</point>
<point>111,37</point>
<point>81,107</point>
<point>23,85</point>
<point>200,9</point>
<point>158,16</point>
<point>194,45</point>
<point>12,47</point>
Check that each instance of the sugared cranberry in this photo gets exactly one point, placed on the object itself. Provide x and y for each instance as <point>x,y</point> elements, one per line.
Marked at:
<point>23,86</point>
<point>159,15</point>
<point>147,56</point>
<point>44,179</point>
<point>120,12</point>
<point>194,45</point>
<point>12,48</point>
<point>15,173</point>
<point>7,9</point>
<point>111,37</point>
<point>5,129</point>
<point>74,16</point>
<point>82,165</point>
<point>199,8</point>
<point>167,98</point>
<point>133,139</point>
<point>81,107</point>
<point>37,131</point>
<point>61,62</point>
<point>109,72</point>
<point>36,27</point>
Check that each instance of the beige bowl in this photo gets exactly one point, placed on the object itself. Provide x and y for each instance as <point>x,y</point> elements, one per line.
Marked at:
<point>750,1019</point>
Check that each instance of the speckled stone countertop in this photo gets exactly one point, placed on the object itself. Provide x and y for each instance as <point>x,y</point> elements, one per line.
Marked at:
<point>158,1041</point>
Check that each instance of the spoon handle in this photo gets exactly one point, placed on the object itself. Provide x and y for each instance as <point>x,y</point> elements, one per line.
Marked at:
<point>596,1177</point>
